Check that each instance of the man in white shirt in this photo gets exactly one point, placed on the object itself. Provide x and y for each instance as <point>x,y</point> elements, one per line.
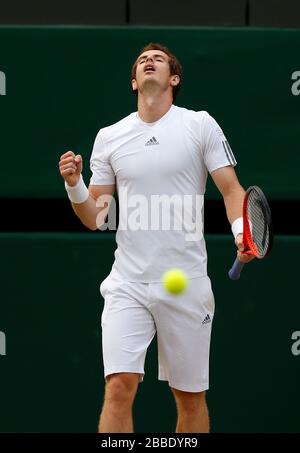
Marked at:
<point>158,158</point>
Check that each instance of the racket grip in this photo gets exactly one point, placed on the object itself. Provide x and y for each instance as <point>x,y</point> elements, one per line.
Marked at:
<point>235,272</point>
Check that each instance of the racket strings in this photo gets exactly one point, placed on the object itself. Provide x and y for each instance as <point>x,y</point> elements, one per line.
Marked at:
<point>259,222</point>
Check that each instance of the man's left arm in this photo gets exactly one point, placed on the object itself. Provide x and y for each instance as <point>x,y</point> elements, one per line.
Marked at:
<point>233,195</point>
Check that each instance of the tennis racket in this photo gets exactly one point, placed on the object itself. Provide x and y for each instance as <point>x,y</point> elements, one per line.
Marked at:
<point>258,230</point>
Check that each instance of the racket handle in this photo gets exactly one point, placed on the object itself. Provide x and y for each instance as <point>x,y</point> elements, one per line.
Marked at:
<point>235,272</point>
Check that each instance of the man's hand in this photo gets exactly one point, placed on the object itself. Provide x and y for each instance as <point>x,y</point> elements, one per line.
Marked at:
<point>70,167</point>
<point>243,257</point>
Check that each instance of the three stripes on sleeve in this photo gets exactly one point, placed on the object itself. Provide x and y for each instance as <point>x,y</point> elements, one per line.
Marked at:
<point>229,153</point>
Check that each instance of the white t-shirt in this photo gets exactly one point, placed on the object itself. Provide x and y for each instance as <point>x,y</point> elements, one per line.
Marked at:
<point>160,171</point>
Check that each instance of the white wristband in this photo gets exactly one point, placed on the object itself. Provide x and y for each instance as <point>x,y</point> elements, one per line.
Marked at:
<point>237,227</point>
<point>78,193</point>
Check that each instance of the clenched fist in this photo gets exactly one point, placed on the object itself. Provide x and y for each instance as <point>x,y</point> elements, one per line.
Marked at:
<point>70,167</point>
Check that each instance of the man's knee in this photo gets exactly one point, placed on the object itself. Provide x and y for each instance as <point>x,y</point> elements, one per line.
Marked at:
<point>121,387</point>
<point>189,401</point>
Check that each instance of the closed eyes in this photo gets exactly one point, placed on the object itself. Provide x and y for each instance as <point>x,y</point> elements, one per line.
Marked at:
<point>157,58</point>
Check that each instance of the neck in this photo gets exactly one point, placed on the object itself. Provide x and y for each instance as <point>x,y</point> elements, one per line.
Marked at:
<point>151,108</point>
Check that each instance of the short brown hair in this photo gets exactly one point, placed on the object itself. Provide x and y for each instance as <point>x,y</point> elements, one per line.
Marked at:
<point>174,64</point>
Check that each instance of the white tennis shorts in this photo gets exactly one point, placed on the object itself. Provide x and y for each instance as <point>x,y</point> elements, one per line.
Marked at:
<point>134,312</point>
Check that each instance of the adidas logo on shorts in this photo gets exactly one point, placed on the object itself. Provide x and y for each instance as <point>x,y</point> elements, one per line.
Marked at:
<point>206,320</point>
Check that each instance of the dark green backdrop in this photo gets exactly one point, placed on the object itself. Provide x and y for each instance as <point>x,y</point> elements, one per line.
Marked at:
<point>63,84</point>
<point>52,375</point>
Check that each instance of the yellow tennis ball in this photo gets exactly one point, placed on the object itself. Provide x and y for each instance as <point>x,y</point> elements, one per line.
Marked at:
<point>174,281</point>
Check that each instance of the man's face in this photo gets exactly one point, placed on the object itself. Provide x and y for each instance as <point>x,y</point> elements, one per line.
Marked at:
<point>153,69</point>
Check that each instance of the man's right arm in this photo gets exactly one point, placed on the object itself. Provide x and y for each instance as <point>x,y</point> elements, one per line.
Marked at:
<point>88,212</point>
<point>85,207</point>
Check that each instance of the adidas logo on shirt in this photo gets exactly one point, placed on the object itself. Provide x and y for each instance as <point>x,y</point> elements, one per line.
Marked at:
<point>206,320</point>
<point>152,141</point>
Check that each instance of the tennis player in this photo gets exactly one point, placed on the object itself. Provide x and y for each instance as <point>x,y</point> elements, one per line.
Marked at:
<point>160,150</point>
